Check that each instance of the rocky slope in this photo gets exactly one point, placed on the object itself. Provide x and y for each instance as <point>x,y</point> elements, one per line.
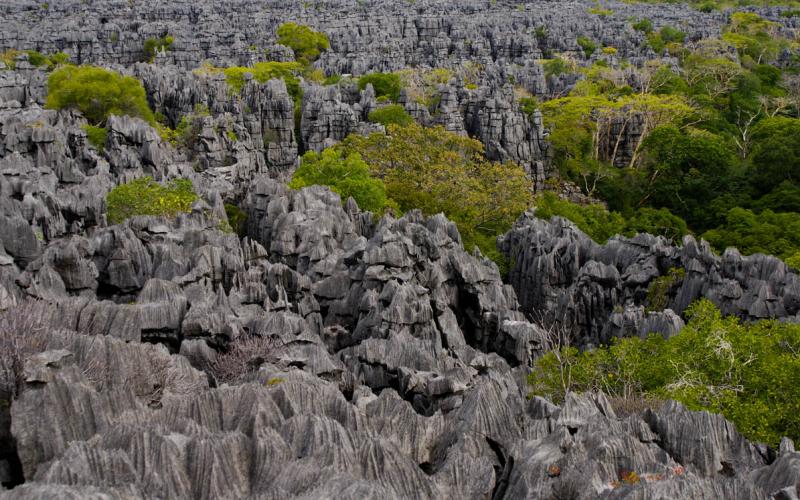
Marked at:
<point>397,360</point>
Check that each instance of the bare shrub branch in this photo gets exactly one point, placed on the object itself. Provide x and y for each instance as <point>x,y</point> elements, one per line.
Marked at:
<point>244,355</point>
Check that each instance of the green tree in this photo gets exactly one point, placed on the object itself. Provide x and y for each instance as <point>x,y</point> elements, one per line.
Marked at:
<point>348,176</point>
<point>775,154</point>
<point>594,220</point>
<point>765,232</point>
<point>386,85</point>
<point>144,196</point>
<point>393,114</point>
<point>97,93</point>
<point>306,43</point>
<point>749,372</point>
<point>435,170</point>
<point>684,171</point>
<point>587,45</point>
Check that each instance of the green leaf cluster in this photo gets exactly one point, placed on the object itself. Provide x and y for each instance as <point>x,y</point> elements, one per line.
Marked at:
<point>144,196</point>
<point>306,43</point>
<point>97,136</point>
<point>438,171</point>
<point>262,73</point>
<point>393,114</point>
<point>600,224</point>
<point>348,176</point>
<point>153,45</point>
<point>386,85</point>
<point>749,372</point>
<point>9,58</point>
<point>97,93</point>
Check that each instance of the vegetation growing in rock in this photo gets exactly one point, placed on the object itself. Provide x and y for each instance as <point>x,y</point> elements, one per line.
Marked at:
<point>306,43</point>
<point>97,136</point>
<point>144,196</point>
<point>263,72</point>
<point>386,85</point>
<point>35,58</point>
<point>394,114</point>
<point>747,372</point>
<point>600,224</point>
<point>349,176</point>
<point>155,45</point>
<point>97,93</point>
<point>436,171</point>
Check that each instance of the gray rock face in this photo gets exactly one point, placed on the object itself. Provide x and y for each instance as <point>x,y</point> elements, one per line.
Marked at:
<point>396,360</point>
<point>599,291</point>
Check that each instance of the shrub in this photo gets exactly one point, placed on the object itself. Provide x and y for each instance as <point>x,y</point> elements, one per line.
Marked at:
<point>154,45</point>
<point>306,43</point>
<point>393,114</point>
<point>661,288</point>
<point>349,176</point>
<point>644,25</point>
<point>555,67</point>
<point>9,58</point>
<point>244,355</point>
<point>97,136</point>
<point>144,196</point>
<point>528,105</point>
<point>749,372</point>
<point>385,84</point>
<point>97,93</point>
<point>587,45</point>
<point>263,72</point>
<point>237,218</point>
<point>594,220</point>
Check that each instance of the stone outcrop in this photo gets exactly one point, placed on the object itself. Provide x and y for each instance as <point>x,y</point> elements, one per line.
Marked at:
<point>599,291</point>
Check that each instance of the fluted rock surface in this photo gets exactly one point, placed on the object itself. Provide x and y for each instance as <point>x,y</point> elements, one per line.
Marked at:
<point>600,291</point>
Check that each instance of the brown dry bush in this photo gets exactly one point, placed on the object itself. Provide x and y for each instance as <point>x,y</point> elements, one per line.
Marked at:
<point>634,404</point>
<point>244,355</point>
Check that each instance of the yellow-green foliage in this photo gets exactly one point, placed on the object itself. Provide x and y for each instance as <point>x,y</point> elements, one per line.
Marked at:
<point>97,136</point>
<point>144,196</point>
<point>97,93</point>
<point>436,171</point>
<point>394,114</point>
<point>347,175</point>
<point>754,37</point>
<point>306,43</point>
<point>9,58</point>
<point>749,372</point>
<point>154,45</point>
<point>385,84</point>
<point>263,72</point>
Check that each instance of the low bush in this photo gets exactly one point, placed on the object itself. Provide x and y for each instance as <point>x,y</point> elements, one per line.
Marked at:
<point>262,73</point>
<point>144,196</point>
<point>306,43</point>
<point>155,45</point>
<point>97,136</point>
<point>386,85</point>
<point>393,114</point>
<point>244,355</point>
<point>97,93</point>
